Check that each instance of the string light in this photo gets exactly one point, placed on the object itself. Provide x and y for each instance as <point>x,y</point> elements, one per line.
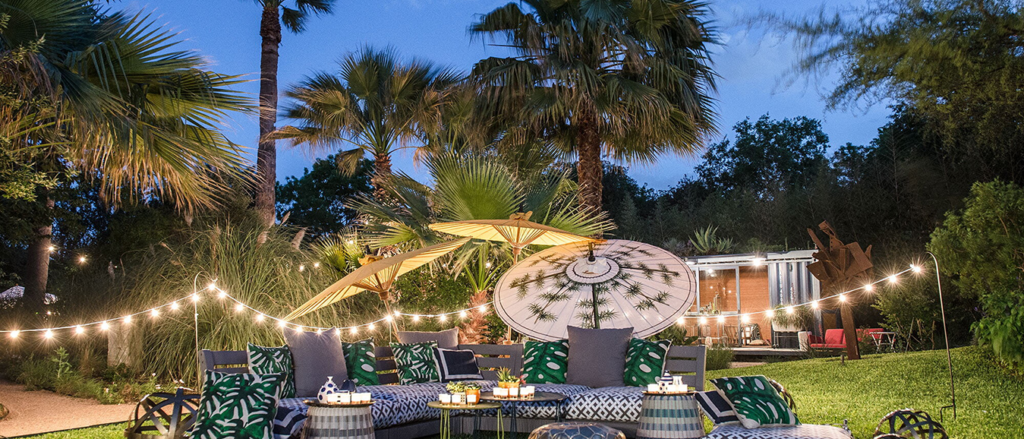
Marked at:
<point>175,306</point>
<point>14,333</point>
<point>869,287</point>
<point>281,323</point>
<point>259,317</point>
<point>721,319</point>
<point>48,334</point>
<point>154,313</point>
<point>398,314</point>
<point>703,320</point>
<point>892,279</point>
<point>482,308</point>
<point>680,321</point>
<point>462,314</point>
<point>316,265</point>
<point>416,318</point>
<point>354,330</point>
<point>915,268</point>
<point>195,297</point>
<point>842,297</point>
<point>790,310</point>
<point>814,304</point>
<point>104,326</point>
<point>79,330</point>
<point>239,307</point>
<point>302,268</point>
<point>388,318</point>
<point>127,320</point>
<point>51,249</point>
<point>81,259</point>
<point>443,318</point>
<point>212,285</point>
<point>745,318</point>
<point>770,313</point>
<point>319,331</point>
<point>221,294</point>
<point>337,332</point>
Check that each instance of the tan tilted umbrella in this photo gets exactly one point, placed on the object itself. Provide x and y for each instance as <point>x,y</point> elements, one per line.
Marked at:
<point>517,230</point>
<point>376,276</point>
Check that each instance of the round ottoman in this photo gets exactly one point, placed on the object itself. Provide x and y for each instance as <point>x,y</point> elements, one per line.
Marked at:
<point>576,430</point>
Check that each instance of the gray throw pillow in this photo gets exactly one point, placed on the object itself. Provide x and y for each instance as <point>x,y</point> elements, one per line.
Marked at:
<point>445,339</point>
<point>597,357</point>
<point>316,357</point>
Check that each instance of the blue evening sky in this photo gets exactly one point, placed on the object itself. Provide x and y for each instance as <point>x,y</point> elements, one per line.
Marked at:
<point>752,64</point>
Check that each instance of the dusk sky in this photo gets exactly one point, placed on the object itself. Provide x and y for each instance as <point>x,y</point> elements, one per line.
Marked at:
<point>752,65</point>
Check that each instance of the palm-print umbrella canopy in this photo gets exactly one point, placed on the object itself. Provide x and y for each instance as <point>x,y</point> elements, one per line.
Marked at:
<point>621,284</point>
<point>517,230</point>
<point>376,276</point>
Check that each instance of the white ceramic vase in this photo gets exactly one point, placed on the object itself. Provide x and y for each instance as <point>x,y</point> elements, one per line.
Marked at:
<point>326,390</point>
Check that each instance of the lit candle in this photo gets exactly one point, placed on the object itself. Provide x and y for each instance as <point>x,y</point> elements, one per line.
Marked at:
<point>500,393</point>
<point>652,388</point>
<point>528,391</point>
<point>684,388</point>
<point>445,398</point>
<point>345,398</point>
<point>471,399</point>
<point>365,397</point>
<point>513,392</point>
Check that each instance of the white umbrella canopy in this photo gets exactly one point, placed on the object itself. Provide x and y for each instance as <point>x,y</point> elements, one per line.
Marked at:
<point>632,284</point>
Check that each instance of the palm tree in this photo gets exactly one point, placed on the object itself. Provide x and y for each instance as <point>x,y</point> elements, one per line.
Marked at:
<point>114,99</point>
<point>275,13</point>
<point>375,102</point>
<point>627,77</point>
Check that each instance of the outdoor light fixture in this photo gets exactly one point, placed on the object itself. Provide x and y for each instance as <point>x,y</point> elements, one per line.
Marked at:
<point>48,334</point>
<point>758,261</point>
<point>14,334</point>
<point>371,326</point>
<point>814,304</point>
<point>127,320</point>
<point>281,324</point>
<point>721,319</point>
<point>316,265</point>
<point>195,297</point>
<point>842,297</point>
<point>104,326</point>
<point>462,314</point>
<point>703,320</point>
<point>869,287</point>
<point>892,279</point>
<point>81,259</point>
<point>175,306</point>
<point>79,329</point>
<point>354,330</point>
<point>770,313</point>
<point>790,310</point>
<point>154,313</point>
<point>259,317</point>
<point>302,268</point>
<point>239,308</point>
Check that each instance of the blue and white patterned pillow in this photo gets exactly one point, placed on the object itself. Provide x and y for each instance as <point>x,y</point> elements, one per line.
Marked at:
<point>455,365</point>
<point>717,408</point>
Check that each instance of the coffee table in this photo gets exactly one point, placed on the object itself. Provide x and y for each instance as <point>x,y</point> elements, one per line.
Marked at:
<point>556,398</point>
<point>446,416</point>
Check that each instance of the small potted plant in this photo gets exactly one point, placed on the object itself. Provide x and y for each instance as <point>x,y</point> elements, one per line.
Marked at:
<point>472,389</point>
<point>506,380</point>
<point>458,390</point>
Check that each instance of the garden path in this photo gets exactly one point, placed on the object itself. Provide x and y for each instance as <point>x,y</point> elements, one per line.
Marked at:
<point>42,411</point>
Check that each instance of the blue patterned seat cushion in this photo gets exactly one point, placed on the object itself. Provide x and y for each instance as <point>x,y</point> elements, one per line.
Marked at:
<point>618,404</point>
<point>291,413</point>
<point>805,431</point>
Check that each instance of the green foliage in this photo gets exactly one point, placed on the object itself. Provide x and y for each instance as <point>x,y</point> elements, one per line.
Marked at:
<point>801,318</point>
<point>707,242</point>
<point>677,335</point>
<point>957,63</point>
<point>980,246</point>
<point>57,373</point>
<point>321,199</point>
<point>719,357</point>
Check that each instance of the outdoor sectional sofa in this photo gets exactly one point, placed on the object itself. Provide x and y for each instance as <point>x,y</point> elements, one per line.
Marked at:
<point>400,411</point>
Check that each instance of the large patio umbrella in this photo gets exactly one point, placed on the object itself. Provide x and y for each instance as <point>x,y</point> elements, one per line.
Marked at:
<point>609,284</point>
<point>376,276</point>
<point>517,230</point>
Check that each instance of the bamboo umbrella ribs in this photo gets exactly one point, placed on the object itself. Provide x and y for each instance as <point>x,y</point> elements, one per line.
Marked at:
<point>378,276</point>
<point>517,230</point>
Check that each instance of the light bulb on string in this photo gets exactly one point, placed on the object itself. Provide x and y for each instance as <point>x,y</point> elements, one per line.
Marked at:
<point>195,297</point>
<point>239,307</point>
<point>371,326</point>
<point>462,314</point>
<point>354,330</point>
<point>104,326</point>
<point>127,320</point>
<point>316,265</point>
<point>703,320</point>
<point>482,308</point>
<point>175,306</point>
<point>745,318</point>
<point>15,333</point>
<point>721,319</point>
<point>443,318</point>
<point>790,310</point>
<point>842,297</point>
<point>915,268</point>
<point>222,294</point>
<point>892,279</point>
<point>869,287</point>
<point>82,259</point>
<point>259,317</point>
<point>48,334</point>
<point>79,330</point>
<point>398,313</point>
<point>154,313</point>
<point>212,285</point>
<point>680,321</point>
<point>770,313</point>
<point>415,318</point>
<point>302,268</point>
<point>337,332</point>
<point>388,318</point>
<point>814,304</point>
<point>281,324</point>
<point>319,331</point>
<point>298,329</point>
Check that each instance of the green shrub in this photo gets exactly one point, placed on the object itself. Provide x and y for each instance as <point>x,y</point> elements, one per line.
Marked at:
<point>719,357</point>
<point>37,374</point>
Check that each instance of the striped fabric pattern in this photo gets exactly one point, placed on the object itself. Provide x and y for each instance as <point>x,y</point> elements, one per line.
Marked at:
<point>805,431</point>
<point>338,422</point>
<point>717,408</point>
<point>670,417</point>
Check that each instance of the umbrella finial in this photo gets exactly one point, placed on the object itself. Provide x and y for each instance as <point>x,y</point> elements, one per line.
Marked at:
<point>590,253</point>
<point>522,216</point>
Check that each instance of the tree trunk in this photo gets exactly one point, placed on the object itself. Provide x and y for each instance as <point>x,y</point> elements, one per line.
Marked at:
<point>37,270</point>
<point>588,151</point>
<point>381,177</point>
<point>266,155</point>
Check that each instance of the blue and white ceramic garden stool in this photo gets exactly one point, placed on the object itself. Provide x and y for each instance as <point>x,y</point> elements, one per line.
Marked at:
<point>669,416</point>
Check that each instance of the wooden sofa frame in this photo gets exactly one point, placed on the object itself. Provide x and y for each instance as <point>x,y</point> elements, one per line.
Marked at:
<point>688,361</point>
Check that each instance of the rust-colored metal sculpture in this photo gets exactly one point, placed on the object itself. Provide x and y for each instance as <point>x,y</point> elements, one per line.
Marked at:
<point>841,267</point>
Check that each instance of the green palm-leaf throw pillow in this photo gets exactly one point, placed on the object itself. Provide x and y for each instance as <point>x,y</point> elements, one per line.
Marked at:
<point>644,361</point>
<point>361,362</point>
<point>416,362</point>
<point>546,362</point>
<point>756,401</point>
<point>264,360</point>
<point>237,406</point>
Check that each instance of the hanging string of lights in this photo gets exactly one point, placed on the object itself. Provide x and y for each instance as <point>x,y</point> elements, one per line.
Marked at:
<point>260,316</point>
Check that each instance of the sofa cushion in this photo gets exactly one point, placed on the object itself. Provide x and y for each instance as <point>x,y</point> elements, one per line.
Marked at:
<point>410,401</point>
<point>756,401</point>
<point>448,339</point>
<point>360,362</point>
<point>597,357</point>
<point>264,360</point>
<point>316,357</point>
<point>611,404</point>
<point>716,407</point>
<point>644,361</point>
<point>456,365</point>
<point>415,362</point>
<point>237,406</point>
<point>805,431</point>
<point>545,362</point>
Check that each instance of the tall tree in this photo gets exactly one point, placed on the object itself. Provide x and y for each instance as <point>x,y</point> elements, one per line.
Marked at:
<point>628,79</point>
<point>275,13</point>
<point>375,102</point>
<point>322,198</point>
<point>131,111</point>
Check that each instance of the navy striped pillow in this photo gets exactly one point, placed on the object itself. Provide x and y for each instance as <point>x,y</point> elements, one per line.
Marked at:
<point>717,408</point>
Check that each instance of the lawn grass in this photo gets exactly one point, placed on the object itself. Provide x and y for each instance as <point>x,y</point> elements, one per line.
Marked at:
<point>990,402</point>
